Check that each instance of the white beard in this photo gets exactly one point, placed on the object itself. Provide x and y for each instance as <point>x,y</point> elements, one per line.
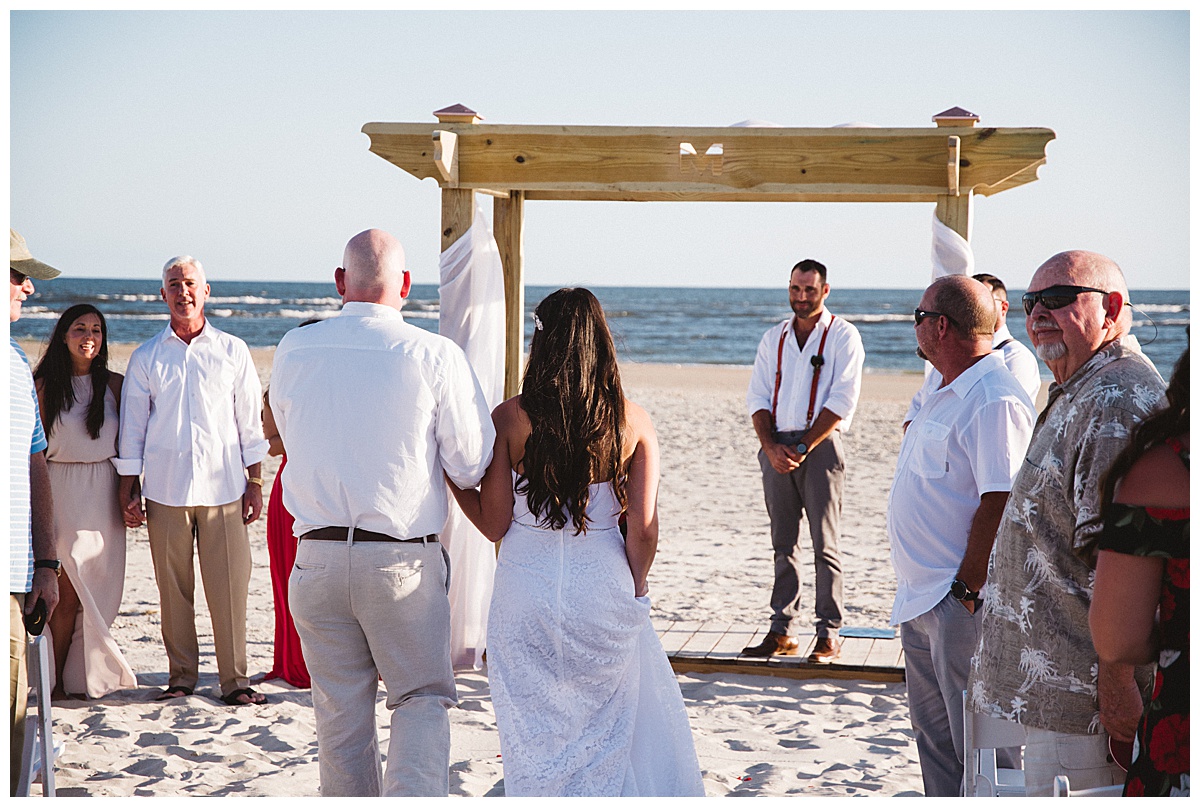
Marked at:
<point>1051,351</point>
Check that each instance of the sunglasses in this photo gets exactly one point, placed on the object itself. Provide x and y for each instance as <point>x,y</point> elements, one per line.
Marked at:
<point>16,278</point>
<point>920,315</point>
<point>1055,297</point>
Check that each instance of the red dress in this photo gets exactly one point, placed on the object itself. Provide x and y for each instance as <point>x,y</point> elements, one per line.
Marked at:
<point>281,546</point>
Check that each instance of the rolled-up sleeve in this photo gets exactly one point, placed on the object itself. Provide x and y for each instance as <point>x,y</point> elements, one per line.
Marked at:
<point>247,400</point>
<point>464,430</point>
<point>762,377</point>
<point>846,380</point>
<point>135,416</point>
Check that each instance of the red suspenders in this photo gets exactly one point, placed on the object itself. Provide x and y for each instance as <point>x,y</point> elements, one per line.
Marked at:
<point>818,362</point>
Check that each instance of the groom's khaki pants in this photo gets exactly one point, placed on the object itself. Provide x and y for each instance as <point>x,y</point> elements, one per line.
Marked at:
<point>220,539</point>
<point>363,611</point>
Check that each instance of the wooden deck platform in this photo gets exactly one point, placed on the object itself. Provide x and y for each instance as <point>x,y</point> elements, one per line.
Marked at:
<point>706,647</point>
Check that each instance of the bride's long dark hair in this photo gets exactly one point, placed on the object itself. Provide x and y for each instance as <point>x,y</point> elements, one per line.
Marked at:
<point>573,397</point>
<point>55,372</point>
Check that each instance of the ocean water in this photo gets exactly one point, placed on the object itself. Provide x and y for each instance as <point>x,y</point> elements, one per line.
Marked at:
<point>659,325</point>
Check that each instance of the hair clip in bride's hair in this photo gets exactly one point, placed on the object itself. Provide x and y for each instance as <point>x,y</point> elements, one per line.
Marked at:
<point>537,323</point>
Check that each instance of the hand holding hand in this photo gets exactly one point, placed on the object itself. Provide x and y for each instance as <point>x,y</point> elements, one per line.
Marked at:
<point>130,498</point>
<point>784,459</point>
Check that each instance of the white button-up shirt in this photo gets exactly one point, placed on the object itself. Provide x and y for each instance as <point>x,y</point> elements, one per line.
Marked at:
<point>838,385</point>
<point>968,439</point>
<point>1019,360</point>
<point>372,410</point>
<point>191,418</point>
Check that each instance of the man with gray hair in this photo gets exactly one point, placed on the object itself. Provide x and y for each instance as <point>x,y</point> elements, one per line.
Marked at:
<point>191,424</point>
<point>373,412</point>
<point>1035,664</point>
<point>953,474</point>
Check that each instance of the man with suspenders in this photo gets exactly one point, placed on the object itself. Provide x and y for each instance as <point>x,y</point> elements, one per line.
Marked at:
<point>803,393</point>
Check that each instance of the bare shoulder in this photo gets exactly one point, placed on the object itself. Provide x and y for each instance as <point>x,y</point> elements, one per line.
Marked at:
<point>638,422</point>
<point>1158,478</point>
<point>509,414</point>
<point>116,381</point>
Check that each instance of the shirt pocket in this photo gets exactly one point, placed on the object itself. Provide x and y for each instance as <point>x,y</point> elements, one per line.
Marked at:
<point>930,453</point>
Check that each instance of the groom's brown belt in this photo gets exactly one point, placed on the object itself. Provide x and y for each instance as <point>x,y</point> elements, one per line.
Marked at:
<point>341,533</point>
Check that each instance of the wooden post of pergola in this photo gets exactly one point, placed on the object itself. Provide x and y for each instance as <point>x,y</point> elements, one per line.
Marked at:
<point>945,164</point>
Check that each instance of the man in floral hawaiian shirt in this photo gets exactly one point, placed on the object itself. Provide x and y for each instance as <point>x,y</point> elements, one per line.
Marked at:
<point>1036,664</point>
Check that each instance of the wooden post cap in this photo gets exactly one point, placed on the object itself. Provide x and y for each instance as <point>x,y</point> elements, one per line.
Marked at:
<point>955,116</point>
<point>457,114</point>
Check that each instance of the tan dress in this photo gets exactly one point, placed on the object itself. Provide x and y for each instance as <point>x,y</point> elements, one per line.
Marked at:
<point>90,533</point>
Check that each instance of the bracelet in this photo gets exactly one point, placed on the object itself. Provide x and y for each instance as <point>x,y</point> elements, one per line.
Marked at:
<point>254,480</point>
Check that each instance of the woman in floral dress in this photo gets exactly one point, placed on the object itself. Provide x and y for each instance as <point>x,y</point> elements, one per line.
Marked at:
<point>1143,570</point>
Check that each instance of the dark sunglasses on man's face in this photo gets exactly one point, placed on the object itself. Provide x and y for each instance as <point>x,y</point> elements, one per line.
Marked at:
<point>1054,297</point>
<point>920,315</point>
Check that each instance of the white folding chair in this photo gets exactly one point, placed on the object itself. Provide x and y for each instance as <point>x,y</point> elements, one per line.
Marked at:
<point>1062,787</point>
<point>38,730</point>
<point>982,735</point>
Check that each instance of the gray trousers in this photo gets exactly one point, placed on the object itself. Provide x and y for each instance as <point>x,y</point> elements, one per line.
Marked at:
<point>814,489</point>
<point>366,611</point>
<point>938,646</point>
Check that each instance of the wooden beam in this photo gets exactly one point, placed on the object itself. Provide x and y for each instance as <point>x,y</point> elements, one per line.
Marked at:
<point>445,156</point>
<point>955,213</point>
<point>644,162</point>
<point>458,211</point>
<point>953,160</point>
<point>508,224</point>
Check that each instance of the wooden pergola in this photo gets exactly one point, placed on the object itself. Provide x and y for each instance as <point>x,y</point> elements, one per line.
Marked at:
<point>944,164</point>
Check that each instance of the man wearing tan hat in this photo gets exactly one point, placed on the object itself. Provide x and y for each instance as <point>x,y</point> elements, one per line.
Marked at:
<point>32,559</point>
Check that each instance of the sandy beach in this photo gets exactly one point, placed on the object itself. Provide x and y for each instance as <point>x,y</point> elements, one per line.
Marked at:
<point>754,735</point>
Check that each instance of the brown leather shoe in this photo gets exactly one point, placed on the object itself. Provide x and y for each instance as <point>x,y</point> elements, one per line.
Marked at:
<point>773,644</point>
<point>825,651</point>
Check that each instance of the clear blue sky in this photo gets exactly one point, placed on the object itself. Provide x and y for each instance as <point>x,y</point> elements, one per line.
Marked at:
<point>234,137</point>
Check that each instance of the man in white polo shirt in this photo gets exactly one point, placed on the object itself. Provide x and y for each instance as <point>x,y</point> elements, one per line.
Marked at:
<point>373,412</point>
<point>955,468</point>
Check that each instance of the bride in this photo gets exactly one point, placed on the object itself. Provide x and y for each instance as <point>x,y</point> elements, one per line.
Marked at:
<point>586,701</point>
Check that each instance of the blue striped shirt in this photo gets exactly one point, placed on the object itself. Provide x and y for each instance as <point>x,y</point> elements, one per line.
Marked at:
<point>25,429</point>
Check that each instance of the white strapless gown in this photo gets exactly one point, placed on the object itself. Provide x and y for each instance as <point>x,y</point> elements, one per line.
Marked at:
<point>586,701</point>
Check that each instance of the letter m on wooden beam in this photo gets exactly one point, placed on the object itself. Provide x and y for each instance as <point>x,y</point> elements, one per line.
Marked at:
<point>690,162</point>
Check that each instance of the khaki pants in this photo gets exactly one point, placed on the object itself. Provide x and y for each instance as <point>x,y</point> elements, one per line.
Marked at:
<point>221,541</point>
<point>371,610</point>
<point>18,686</point>
<point>1082,758</point>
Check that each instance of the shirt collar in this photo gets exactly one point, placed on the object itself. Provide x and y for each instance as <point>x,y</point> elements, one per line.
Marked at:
<point>1001,335</point>
<point>1125,347</point>
<point>206,333</point>
<point>824,320</point>
<point>970,377</point>
<point>371,310</point>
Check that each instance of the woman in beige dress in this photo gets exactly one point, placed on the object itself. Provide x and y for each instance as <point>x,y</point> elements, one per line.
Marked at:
<point>80,399</point>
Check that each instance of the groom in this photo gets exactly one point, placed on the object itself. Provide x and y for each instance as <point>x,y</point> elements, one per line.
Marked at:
<point>372,411</point>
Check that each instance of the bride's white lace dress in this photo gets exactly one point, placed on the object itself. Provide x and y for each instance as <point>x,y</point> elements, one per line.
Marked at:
<point>586,701</point>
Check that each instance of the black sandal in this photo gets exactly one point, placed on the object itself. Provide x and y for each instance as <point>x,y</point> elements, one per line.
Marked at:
<point>171,693</point>
<point>232,698</point>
